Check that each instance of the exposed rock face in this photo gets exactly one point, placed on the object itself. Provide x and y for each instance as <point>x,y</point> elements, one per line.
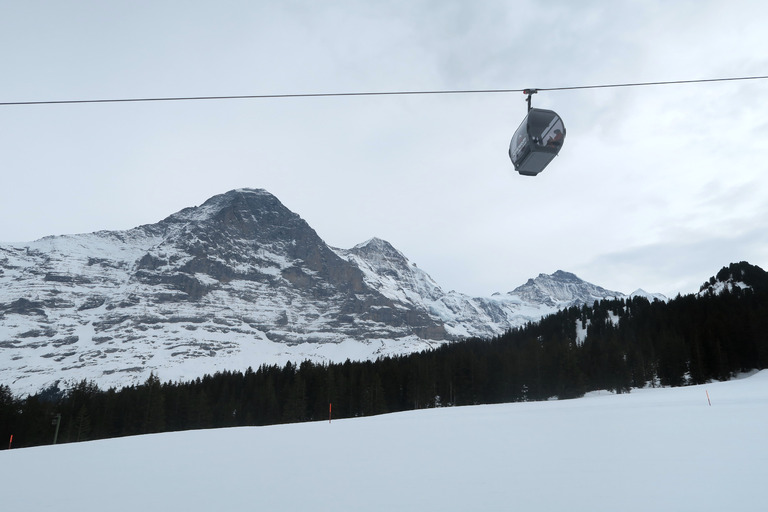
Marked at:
<point>238,281</point>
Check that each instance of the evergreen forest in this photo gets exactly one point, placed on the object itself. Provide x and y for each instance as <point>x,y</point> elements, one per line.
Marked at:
<point>612,345</point>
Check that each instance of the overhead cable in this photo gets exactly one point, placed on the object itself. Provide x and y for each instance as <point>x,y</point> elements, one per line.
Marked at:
<point>373,93</point>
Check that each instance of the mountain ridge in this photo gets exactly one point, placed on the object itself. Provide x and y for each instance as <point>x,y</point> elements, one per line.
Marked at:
<point>235,282</point>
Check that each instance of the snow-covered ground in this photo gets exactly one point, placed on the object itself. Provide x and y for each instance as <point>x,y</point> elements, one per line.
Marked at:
<point>651,450</point>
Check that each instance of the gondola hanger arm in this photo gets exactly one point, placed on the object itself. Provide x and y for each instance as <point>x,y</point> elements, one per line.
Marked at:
<point>529,93</point>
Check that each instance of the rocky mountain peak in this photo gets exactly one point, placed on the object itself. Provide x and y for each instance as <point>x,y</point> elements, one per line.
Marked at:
<point>381,255</point>
<point>374,244</point>
<point>562,276</point>
<point>561,289</point>
<point>242,234</point>
<point>242,213</point>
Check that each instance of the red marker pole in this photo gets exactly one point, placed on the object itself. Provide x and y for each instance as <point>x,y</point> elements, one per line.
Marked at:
<point>330,407</point>
<point>708,401</point>
<point>10,442</point>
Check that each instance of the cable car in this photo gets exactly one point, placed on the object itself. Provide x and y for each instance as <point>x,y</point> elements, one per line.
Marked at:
<point>537,141</point>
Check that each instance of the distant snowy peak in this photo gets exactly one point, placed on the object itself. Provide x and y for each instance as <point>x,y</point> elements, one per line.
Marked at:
<point>390,272</point>
<point>381,254</point>
<point>647,295</point>
<point>561,289</point>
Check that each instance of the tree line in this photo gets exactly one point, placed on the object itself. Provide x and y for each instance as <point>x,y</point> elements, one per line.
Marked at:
<point>613,344</point>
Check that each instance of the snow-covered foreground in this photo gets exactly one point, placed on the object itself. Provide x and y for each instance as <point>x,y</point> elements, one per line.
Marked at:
<point>655,449</point>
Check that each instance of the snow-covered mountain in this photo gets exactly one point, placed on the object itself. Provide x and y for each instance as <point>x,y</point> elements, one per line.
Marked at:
<point>238,281</point>
<point>561,289</point>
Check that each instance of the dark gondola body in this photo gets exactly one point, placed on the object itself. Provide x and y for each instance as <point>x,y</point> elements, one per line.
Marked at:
<point>537,141</point>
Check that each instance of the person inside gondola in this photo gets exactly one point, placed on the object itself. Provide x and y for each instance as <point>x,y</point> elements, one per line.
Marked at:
<point>556,139</point>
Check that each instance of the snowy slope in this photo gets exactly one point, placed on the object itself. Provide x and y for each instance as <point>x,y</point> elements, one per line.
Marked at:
<point>653,449</point>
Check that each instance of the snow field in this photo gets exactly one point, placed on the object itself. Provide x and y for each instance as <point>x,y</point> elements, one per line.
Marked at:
<point>653,449</point>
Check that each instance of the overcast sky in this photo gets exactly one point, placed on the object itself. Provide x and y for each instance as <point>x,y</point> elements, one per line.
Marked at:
<point>656,187</point>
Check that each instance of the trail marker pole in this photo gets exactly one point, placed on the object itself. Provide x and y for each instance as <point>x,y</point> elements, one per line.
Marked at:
<point>330,408</point>
<point>10,442</point>
<point>56,421</point>
<point>708,400</point>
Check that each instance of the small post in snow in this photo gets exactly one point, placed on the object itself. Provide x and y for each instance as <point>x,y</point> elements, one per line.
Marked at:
<point>708,400</point>
<point>330,406</point>
<point>56,421</point>
<point>10,442</point>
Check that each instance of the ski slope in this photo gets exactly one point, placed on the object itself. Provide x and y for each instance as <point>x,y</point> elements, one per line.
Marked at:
<point>653,449</point>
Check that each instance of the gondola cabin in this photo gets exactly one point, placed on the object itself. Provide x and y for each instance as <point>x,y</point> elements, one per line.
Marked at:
<point>537,141</point>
